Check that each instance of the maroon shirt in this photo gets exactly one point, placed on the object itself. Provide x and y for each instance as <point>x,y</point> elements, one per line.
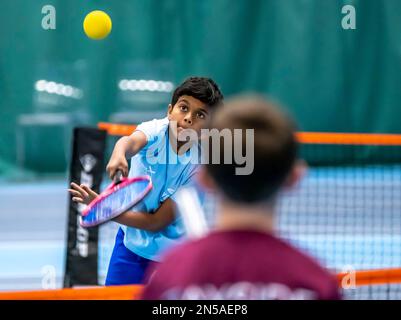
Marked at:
<point>239,265</point>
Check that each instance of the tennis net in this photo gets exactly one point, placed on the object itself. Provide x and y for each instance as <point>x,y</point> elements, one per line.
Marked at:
<point>347,210</point>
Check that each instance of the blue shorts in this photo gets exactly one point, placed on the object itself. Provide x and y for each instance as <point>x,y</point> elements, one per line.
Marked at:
<point>125,267</point>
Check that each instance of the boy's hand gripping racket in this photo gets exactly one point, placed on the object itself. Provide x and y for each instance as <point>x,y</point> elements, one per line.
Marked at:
<point>118,197</point>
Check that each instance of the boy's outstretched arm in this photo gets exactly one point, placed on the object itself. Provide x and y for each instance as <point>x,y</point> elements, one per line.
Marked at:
<point>153,222</point>
<point>126,147</point>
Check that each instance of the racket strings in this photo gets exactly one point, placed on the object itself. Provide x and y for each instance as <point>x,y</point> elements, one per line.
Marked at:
<point>121,199</point>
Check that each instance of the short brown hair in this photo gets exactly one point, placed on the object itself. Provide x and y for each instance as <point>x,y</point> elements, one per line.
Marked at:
<point>275,148</point>
<point>202,88</point>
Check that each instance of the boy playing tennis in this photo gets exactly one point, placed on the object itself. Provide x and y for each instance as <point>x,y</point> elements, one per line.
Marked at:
<point>156,150</point>
<point>243,258</point>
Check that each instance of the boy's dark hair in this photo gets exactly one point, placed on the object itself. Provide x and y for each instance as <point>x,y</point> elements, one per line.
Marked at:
<point>275,149</point>
<point>203,89</point>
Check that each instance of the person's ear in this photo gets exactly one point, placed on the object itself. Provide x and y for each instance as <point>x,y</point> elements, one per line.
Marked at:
<point>298,171</point>
<point>205,180</point>
<point>169,110</point>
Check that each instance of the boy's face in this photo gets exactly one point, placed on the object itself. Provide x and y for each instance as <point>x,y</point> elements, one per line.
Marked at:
<point>189,113</point>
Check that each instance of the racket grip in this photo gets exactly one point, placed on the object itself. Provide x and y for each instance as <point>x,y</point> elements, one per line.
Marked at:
<point>118,176</point>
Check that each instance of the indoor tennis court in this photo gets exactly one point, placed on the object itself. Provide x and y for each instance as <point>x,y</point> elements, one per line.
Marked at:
<point>72,87</point>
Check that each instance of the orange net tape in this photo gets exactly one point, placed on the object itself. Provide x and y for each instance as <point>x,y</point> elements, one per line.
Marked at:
<point>115,129</point>
<point>133,292</point>
<point>349,138</point>
<point>130,292</point>
<point>372,277</point>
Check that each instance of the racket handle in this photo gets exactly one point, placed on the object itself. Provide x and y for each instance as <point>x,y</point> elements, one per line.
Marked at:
<point>118,176</point>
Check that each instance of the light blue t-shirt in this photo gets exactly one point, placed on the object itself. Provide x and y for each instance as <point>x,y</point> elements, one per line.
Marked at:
<point>169,171</point>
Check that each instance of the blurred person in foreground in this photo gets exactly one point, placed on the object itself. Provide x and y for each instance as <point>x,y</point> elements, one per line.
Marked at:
<point>243,258</point>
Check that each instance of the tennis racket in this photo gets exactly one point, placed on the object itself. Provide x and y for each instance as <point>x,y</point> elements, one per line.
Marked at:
<point>118,197</point>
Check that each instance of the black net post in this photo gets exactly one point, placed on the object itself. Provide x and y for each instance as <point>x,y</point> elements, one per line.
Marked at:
<point>86,167</point>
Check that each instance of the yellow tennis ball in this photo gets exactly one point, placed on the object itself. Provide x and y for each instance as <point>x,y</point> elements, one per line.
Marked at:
<point>97,25</point>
